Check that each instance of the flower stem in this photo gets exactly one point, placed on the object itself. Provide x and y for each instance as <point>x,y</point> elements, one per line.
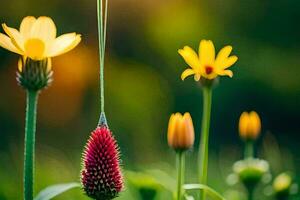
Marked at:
<point>249,149</point>
<point>180,173</point>
<point>30,127</point>
<point>250,194</point>
<point>204,140</point>
<point>102,22</point>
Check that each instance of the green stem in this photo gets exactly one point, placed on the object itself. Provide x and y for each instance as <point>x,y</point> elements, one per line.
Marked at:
<point>180,173</point>
<point>30,127</point>
<point>249,149</point>
<point>250,194</point>
<point>102,40</point>
<point>204,140</point>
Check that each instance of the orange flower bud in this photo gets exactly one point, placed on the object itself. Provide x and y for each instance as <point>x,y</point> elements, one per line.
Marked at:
<point>249,125</point>
<point>181,133</point>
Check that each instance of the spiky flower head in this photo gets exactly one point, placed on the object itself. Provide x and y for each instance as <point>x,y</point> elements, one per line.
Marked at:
<point>101,175</point>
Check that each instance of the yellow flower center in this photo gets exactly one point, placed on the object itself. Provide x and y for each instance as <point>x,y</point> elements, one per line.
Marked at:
<point>35,48</point>
<point>208,69</point>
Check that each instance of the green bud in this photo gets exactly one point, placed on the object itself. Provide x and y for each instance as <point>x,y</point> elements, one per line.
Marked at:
<point>282,186</point>
<point>34,75</point>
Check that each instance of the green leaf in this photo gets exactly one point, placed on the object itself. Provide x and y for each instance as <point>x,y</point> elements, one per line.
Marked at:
<point>167,181</point>
<point>187,197</point>
<point>212,193</point>
<point>55,190</point>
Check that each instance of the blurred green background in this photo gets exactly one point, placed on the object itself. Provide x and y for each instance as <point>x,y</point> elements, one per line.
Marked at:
<point>143,87</point>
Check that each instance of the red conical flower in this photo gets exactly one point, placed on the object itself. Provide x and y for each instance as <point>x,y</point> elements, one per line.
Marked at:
<point>101,175</point>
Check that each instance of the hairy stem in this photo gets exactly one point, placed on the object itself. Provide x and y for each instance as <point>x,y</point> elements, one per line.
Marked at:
<point>29,152</point>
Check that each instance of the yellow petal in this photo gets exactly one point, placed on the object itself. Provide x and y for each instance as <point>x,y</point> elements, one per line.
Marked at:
<point>226,73</point>
<point>44,29</point>
<point>206,52</point>
<point>171,129</point>
<point>6,43</point>
<point>15,36</point>
<point>197,77</point>
<point>187,73</point>
<point>49,66</point>
<point>63,44</point>
<point>190,57</point>
<point>222,55</point>
<point>228,62</point>
<point>189,130</point>
<point>20,65</point>
<point>177,130</point>
<point>255,123</point>
<point>73,45</point>
<point>243,124</point>
<point>26,26</point>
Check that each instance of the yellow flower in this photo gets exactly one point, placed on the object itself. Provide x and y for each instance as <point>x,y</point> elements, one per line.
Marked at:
<point>282,182</point>
<point>37,39</point>
<point>249,125</point>
<point>181,133</point>
<point>205,64</point>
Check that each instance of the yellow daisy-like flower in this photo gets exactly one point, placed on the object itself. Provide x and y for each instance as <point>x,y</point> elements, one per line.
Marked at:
<point>205,64</point>
<point>37,39</point>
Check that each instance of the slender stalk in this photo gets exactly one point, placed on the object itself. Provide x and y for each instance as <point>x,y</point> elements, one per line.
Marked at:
<point>105,24</point>
<point>29,152</point>
<point>102,23</point>
<point>203,150</point>
<point>180,173</point>
<point>250,194</point>
<point>249,149</point>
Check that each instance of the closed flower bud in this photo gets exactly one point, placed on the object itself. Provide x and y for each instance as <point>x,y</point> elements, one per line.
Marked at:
<point>101,175</point>
<point>282,186</point>
<point>249,125</point>
<point>181,134</point>
<point>34,74</point>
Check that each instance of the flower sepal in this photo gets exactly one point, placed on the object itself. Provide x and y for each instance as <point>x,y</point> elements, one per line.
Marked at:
<point>102,120</point>
<point>34,75</point>
<point>209,83</point>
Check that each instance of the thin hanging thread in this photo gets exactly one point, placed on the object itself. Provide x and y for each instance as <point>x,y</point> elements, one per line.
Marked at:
<point>102,23</point>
